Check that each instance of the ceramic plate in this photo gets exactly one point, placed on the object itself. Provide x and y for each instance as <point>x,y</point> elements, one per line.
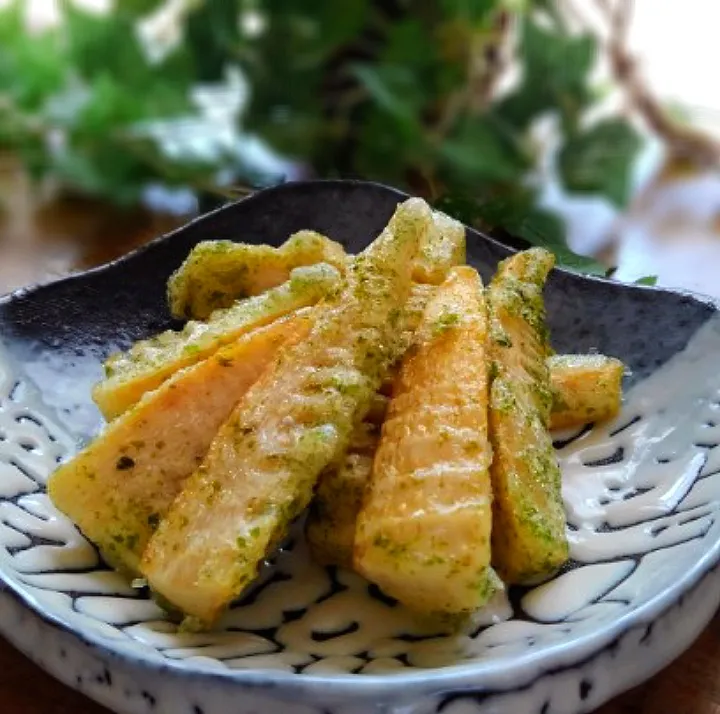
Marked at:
<point>641,495</point>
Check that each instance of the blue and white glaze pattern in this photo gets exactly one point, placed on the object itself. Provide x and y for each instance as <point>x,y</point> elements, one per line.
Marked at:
<point>642,496</point>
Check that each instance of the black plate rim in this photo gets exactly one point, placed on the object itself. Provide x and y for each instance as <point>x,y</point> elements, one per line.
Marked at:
<point>131,256</point>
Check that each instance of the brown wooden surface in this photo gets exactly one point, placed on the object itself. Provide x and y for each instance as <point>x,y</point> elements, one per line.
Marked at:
<point>42,240</point>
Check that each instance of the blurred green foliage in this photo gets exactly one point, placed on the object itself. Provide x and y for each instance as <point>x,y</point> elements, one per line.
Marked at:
<point>400,91</point>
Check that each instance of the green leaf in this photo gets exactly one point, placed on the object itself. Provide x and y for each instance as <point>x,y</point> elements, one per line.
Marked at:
<point>546,230</point>
<point>562,60</point>
<point>307,31</point>
<point>475,12</point>
<point>12,23</point>
<point>551,10</point>
<point>647,280</point>
<point>385,90</point>
<point>395,89</point>
<point>32,66</point>
<point>409,44</point>
<point>299,69</point>
<point>333,28</point>
<point>108,46</point>
<point>600,160</point>
<point>556,70</point>
<point>108,172</point>
<point>212,35</point>
<point>480,150</point>
<point>516,215</point>
<point>182,167</point>
<point>459,206</point>
<point>98,46</point>
<point>32,150</point>
<point>137,8</point>
<point>109,106</point>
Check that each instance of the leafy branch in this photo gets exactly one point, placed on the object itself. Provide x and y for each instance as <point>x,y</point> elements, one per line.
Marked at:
<point>414,94</point>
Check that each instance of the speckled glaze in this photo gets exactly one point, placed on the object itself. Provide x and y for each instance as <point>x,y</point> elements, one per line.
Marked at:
<point>642,496</point>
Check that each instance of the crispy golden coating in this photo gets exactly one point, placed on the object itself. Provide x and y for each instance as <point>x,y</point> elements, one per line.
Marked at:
<point>423,533</point>
<point>585,388</point>
<point>148,363</point>
<point>408,407</point>
<point>219,272</point>
<point>443,249</point>
<point>262,467</point>
<point>529,541</point>
<point>119,487</point>
<point>330,525</point>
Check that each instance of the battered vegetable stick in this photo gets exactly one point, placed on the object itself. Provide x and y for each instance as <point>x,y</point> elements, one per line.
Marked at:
<point>119,487</point>
<point>148,363</point>
<point>529,541</point>
<point>330,524</point>
<point>423,533</point>
<point>585,388</point>
<point>262,466</point>
<point>217,273</point>
<point>581,385</point>
<point>443,249</point>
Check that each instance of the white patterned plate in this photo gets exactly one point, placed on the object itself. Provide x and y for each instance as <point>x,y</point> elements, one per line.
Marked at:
<point>642,496</point>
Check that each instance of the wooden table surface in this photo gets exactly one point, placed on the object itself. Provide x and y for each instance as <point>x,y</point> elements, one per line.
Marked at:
<point>40,241</point>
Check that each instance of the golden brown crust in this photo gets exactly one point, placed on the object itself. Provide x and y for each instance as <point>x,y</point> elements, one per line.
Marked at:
<point>423,533</point>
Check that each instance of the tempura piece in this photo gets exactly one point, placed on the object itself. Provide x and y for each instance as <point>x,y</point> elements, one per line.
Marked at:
<point>330,524</point>
<point>585,388</point>
<point>217,273</point>
<point>443,249</point>
<point>423,533</point>
<point>119,487</point>
<point>330,527</point>
<point>148,363</point>
<point>529,542</point>
<point>262,467</point>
